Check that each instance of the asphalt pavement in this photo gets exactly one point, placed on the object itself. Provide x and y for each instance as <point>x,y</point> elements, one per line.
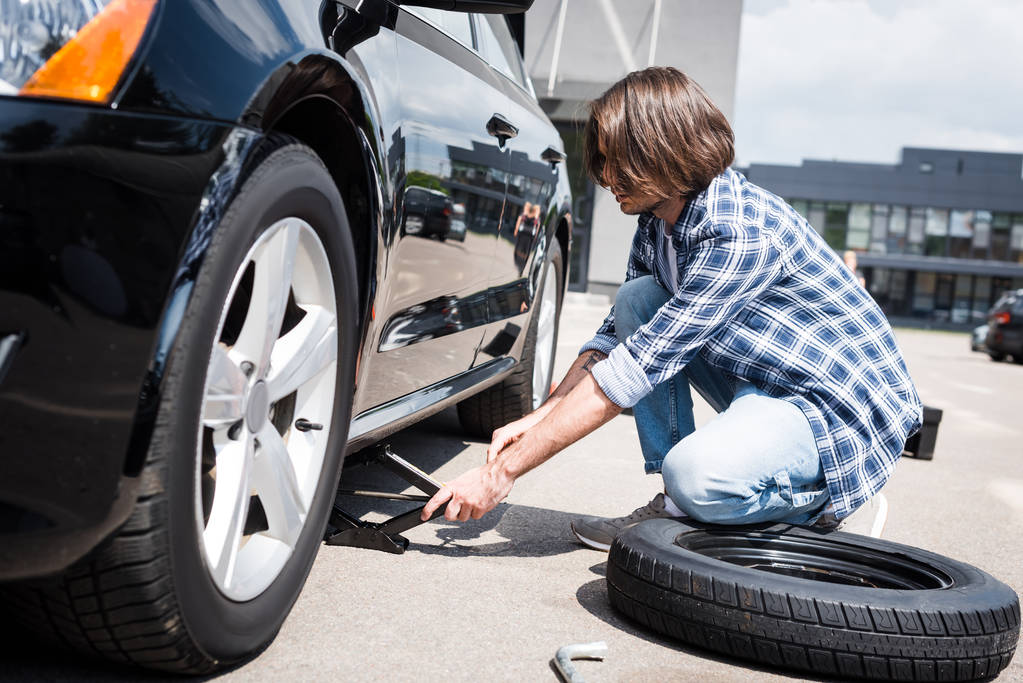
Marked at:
<point>494,599</point>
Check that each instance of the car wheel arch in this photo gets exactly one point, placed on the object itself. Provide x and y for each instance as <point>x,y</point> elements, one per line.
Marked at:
<point>243,150</point>
<point>321,100</point>
<point>330,131</point>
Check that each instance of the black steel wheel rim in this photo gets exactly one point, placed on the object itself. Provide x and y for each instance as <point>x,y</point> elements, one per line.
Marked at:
<point>825,559</point>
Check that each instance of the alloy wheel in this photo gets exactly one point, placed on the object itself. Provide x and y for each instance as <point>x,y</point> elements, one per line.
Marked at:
<point>543,359</point>
<point>266,411</point>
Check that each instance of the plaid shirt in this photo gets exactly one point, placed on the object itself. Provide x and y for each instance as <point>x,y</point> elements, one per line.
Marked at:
<point>763,298</point>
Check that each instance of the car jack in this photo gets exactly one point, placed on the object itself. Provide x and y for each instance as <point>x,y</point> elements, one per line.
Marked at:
<point>345,529</point>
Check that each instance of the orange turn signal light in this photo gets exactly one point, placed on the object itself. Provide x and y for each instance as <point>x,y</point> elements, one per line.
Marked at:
<point>90,65</point>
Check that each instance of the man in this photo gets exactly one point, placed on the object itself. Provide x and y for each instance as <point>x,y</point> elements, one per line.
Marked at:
<point>730,290</point>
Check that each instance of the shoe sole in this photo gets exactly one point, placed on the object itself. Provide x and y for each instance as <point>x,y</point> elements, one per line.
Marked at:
<point>590,543</point>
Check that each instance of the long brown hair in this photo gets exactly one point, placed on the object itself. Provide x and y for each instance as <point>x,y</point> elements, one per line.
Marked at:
<point>660,133</point>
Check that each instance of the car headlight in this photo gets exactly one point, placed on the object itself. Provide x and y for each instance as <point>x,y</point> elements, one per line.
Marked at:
<point>75,49</point>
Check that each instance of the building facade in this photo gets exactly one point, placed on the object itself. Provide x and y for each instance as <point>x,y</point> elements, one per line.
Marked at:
<point>938,236</point>
<point>575,49</point>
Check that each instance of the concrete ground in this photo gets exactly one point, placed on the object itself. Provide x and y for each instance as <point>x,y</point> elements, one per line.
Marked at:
<point>494,599</point>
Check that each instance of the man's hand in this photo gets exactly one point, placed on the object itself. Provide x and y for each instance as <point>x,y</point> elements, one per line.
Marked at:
<point>473,494</point>
<point>526,443</point>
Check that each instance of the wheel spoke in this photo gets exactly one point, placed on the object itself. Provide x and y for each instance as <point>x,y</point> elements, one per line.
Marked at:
<point>547,314</point>
<point>226,385</point>
<point>274,266</point>
<point>303,352</point>
<point>543,351</point>
<point>223,534</point>
<point>275,482</point>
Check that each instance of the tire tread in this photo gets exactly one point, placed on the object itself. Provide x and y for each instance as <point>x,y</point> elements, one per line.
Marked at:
<point>824,637</point>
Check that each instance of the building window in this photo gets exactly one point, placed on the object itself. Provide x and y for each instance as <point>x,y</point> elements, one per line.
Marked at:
<point>943,296</point>
<point>880,279</point>
<point>801,206</point>
<point>836,222</point>
<point>888,288</point>
<point>926,167</point>
<point>960,233</point>
<point>915,231</point>
<point>879,228</point>
<point>896,241</point>
<point>936,231</point>
<point>858,237</point>
<point>961,302</point>
<point>1000,236</point>
<point>981,298</point>
<point>817,216</point>
<point>923,294</point>
<point>898,295</point>
<point>1016,239</point>
<point>981,234</point>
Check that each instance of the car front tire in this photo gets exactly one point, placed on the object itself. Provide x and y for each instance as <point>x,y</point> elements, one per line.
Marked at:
<point>235,496</point>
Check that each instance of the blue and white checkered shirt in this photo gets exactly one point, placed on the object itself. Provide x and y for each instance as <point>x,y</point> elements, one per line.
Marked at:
<point>762,297</point>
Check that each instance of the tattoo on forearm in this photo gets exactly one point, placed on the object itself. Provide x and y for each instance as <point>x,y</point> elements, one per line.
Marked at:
<point>590,362</point>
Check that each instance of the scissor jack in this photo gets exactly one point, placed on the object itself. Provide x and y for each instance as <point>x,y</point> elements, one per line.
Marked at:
<point>346,529</point>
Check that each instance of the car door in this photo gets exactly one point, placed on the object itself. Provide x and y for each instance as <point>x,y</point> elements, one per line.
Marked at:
<point>449,202</point>
<point>532,181</point>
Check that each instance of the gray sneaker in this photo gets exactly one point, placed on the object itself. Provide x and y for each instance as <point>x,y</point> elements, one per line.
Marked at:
<point>866,520</point>
<point>599,532</point>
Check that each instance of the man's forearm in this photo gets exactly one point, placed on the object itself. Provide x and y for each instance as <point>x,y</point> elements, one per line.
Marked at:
<point>576,414</point>
<point>581,368</point>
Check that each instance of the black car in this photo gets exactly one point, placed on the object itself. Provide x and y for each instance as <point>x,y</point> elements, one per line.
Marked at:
<point>428,213</point>
<point>1005,327</point>
<point>207,298</point>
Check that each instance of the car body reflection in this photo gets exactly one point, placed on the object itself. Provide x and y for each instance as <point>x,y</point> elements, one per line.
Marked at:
<point>429,213</point>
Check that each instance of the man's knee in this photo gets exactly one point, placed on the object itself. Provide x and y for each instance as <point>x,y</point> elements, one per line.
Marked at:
<point>636,303</point>
<point>694,479</point>
<point>689,480</point>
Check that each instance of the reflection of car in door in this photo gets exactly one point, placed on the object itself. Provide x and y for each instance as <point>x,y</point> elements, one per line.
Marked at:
<point>457,229</point>
<point>207,297</point>
<point>427,213</point>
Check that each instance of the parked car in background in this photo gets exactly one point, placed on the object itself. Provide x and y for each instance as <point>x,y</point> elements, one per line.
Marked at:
<point>207,297</point>
<point>977,338</point>
<point>1005,327</point>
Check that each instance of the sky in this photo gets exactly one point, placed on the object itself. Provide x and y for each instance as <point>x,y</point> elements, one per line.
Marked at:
<point>857,80</point>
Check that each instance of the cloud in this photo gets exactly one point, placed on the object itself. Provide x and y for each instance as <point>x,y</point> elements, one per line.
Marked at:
<point>856,80</point>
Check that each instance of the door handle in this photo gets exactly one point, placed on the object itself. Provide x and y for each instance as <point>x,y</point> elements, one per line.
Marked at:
<point>501,128</point>
<point>552,156</point>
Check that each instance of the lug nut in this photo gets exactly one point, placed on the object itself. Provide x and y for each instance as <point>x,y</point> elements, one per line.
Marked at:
<point>247,368</point>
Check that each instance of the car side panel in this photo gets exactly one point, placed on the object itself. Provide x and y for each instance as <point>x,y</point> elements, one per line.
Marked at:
<point>435,303</point>
<point>532,211</point>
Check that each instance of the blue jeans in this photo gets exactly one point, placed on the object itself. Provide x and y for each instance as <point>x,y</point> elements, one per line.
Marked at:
<point>756,461</point>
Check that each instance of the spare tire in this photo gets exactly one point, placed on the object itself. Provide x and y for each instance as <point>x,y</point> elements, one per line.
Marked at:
<point>834,604</point>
